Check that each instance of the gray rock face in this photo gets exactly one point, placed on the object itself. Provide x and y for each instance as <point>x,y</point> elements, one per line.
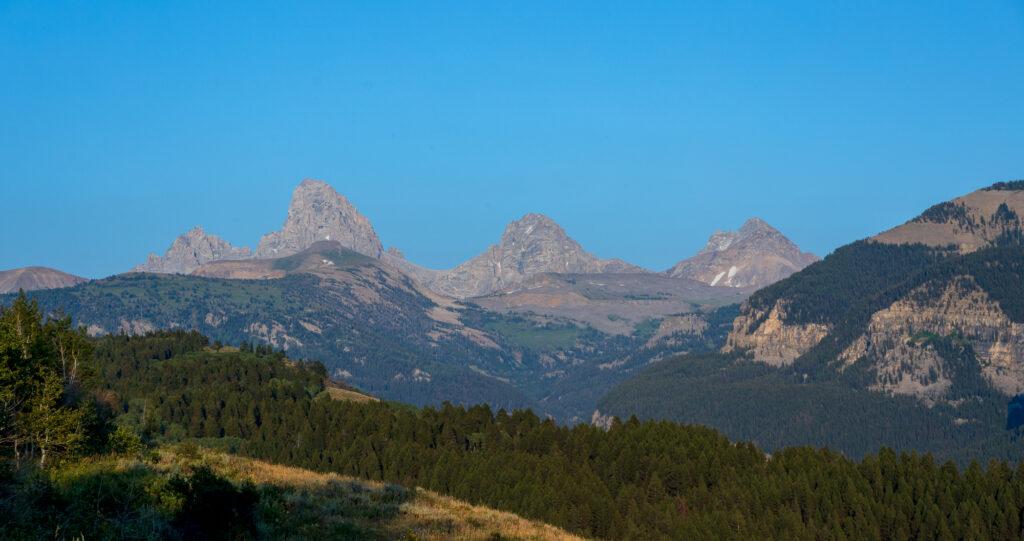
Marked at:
<point>189,251</point>
<point>757,255</point>
<point>529,246</point>
<point>316,213</point>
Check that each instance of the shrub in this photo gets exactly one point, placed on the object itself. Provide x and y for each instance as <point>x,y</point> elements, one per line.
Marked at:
<point>125,441</point>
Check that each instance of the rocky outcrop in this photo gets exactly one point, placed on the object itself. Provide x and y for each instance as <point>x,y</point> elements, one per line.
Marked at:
<point>896,340</point>
<point>687,324</point>
<point>770,338</point>
<point>757,255</point>
<point>317,212</point>
<point>601,420</point>
<point>36,278</point>
<point>191,250</point>
<point>532,245</point>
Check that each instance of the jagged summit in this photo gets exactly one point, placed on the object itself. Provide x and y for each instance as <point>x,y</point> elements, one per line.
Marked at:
<point>755,255</point>
<point>191,250</point>
<point>722,240</point>
<point>529,246</point>
<point>318,212</point>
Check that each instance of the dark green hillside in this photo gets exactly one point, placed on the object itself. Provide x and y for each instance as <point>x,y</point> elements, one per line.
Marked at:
<point>825,291</point>
<point>373,327</point>
<point>997,270</point>
<point>567,369</point>
<point>638,480</point>
<point>590,381</point>
<point>377,345</point>
<point>753,401</point>
<point>650,480</point>
<point>811,402</point>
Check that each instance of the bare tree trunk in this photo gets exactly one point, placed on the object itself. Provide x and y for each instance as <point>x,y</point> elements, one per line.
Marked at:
<point>42,455</point>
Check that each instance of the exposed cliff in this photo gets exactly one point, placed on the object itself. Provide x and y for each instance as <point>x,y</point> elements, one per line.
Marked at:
<point>910,304</point>
<point>897,340</point>
<point>317,212</point>
<point>769,338</point>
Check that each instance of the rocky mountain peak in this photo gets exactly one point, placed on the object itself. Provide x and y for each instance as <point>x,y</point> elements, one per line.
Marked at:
<point>722,240</point>
<point>529,246</point>
<point>755,255</point>
<point>318,212</point>
<point>189,251</point>
<point>755,225</point>
<point>536,230</point>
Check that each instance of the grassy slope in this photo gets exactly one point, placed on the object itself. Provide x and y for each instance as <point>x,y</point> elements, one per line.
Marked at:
<point>424,514</point>
<point>347,395</point>
<point>293,503</point>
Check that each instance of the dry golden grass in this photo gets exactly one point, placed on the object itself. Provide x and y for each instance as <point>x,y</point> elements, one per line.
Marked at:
<point>423,515</point>
<point>434,517</point>
<point>223,349</point>
<point>346,395</point>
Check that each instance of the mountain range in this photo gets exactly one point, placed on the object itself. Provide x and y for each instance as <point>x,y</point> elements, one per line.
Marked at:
<point>912,338</point>
<point>754,256</point>
<point>534,321</point>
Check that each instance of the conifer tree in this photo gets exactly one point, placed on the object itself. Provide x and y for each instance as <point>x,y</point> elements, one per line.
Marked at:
<point>43,363</point>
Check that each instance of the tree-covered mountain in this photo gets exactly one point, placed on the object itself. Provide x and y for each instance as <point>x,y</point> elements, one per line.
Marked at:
<point>379,329</point>
<point>908,339</point>
<point>362,318</point>
<point>636,480</point>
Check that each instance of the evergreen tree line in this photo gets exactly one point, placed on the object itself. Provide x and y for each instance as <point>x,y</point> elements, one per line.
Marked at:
<point>637,480</point>
<point>775,408</point>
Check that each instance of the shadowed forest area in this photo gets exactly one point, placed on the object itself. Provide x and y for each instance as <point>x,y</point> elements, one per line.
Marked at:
<point>635,480</point>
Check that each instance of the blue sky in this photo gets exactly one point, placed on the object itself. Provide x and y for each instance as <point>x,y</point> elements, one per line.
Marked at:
<point>640,127</point>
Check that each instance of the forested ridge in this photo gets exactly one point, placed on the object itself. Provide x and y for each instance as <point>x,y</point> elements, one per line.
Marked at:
<point>379,340</point>
<point>812,401</point>
<point>776,408</point>
<point>320,316</point>
<point>636,480</point>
